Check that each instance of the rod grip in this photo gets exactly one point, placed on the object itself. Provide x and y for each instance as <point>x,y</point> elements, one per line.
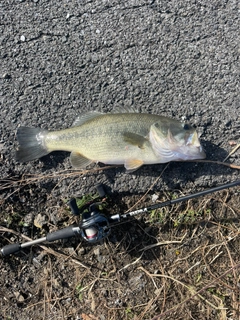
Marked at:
<point>11,248</point>
<point>61,234</point>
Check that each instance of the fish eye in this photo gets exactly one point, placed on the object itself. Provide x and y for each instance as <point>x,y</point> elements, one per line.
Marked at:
<point>186,126</point>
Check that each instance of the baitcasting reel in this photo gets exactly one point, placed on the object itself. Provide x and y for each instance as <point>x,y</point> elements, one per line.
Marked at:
<point>95,226</point>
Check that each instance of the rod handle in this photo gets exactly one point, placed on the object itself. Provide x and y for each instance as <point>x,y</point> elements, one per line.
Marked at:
<point>11,248</point>
<point>62,234</point>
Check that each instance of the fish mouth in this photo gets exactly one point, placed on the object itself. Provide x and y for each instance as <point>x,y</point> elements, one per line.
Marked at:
<point>176,148</point>
<point>183,153</point>
<point>192,149</point>
<point>192,153</point>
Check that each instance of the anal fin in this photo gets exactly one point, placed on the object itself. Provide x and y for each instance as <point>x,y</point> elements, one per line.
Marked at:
<point>133,164</point>
<point>78,160</point>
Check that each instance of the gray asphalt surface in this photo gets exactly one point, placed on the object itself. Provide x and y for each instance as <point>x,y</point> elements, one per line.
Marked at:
<point>174,58</point>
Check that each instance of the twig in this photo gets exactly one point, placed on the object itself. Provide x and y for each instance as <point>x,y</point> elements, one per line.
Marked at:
<point>235,299</point>
<point>195,265</point>
<point>232,152</point>
<point>130,264</point>
<point>191,289</point>
<point>15,182</point>
<point>230,165</point>
<point>159,316</point>
<point>149,189</point>
<point>162,243</point>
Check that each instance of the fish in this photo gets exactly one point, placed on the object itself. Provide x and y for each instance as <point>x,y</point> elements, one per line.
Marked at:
<point>120,138</point>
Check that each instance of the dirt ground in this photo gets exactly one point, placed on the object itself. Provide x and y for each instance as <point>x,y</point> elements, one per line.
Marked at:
<point>174,58</point>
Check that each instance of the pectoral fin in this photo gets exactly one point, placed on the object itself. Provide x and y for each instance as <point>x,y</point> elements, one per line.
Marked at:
<point>134,139</point>
<point>133,164</point>
<point>79,161</point>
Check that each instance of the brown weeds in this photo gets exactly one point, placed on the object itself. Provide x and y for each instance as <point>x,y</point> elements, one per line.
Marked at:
<point>178,263</point>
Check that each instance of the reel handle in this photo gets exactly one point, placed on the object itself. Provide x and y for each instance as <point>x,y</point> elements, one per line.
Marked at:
<point>73,206</point>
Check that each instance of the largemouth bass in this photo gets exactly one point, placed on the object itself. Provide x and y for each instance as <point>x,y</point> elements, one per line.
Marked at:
<point>131,139</point>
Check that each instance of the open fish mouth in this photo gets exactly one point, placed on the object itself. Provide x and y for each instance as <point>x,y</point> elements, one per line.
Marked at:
<point>183,145</point>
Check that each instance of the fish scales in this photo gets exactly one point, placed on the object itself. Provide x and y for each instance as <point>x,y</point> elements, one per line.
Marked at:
<point>103,129</point>
<point>104,136</point>
<point>131,139</point>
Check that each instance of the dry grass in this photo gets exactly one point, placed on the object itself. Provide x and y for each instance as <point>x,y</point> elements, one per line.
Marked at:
<point>180,262</point>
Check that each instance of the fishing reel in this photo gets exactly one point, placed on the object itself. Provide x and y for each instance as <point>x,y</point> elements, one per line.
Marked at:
<point>94,226</point>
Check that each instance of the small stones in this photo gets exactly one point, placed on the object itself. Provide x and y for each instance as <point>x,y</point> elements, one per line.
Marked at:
<point>23,38</point>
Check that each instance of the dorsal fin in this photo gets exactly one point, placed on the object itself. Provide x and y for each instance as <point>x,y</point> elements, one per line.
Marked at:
<point>86,116</point>
<point>124,110</point>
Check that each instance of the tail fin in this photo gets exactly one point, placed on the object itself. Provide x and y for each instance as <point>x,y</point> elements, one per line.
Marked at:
<point>31,144</point>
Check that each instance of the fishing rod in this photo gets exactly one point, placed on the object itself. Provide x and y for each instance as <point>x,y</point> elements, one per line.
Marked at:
<point>96,226</point>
